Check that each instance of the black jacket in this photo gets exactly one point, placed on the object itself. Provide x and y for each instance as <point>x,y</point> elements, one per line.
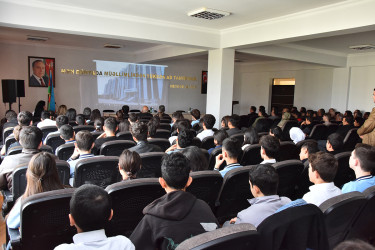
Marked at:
<point>144,147</point>
<point>233,131</point>
<point>170,220</point>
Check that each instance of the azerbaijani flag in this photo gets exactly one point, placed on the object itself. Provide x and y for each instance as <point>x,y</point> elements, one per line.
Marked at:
<point>51,92</point>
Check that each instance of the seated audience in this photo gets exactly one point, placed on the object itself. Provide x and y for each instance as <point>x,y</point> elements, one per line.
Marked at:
<point>123,126</point>
<point>145,113</point>
<point>90,211</point>
<point>176,116</point>
<point>362,161</point>
<point>307,125</point>
<point>296,134</point>
<point>133,118</point>
<point>61,110</point>
<point>250,137</point>
<point>269,149</point>
<point>98,124</point>
<point>234,125</point>
<point>11,118</point>
<point>87,113</point>
<point>347,124</point>
<point>31,141</point>
<point>219,137</point>
<point>261,115</point>
<point>339,117</point>
<point>95,114</point>
<point>276,132</point>
<point>327,119</point>
<point>195,116</point>
<point>274,113</point>
<point>322,171</point>
<point>67,133</point>
<point>25,118</point>
<point>152,126</point>
<point>125,111</point>
<point>308,148</point>
<point>80,120</point>
<point>197,159</point>
<point>161,113</point>
<point>230,151</point>
<point>264,182</point>
<point>284,118</point>
<point>354,245</point>
<point>208,123</point>
<point>129,164</point>
<point>46,121</point>
<point>179,125</point>
<point>176,216</point>
<point>39,108</point>
<point>252,115</point>
<point>296,115</point>
<point>357,113</point>
<point>71,114</point>
<point>184,139</point>
<point>60,121</point>
<point>16,133</point>
<point>139,132</point>
<point>119,116</point>
<point>335,143</point>
<point>366,115</point>
<point>224,122</point>
<point>41,176</point>
<point>358,122</point>
<point>332,113</point>
<point>110,127</point>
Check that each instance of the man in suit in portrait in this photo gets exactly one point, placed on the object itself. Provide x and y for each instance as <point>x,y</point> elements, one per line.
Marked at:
<point>38,78</point>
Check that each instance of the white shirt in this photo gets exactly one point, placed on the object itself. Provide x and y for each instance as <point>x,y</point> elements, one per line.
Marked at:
<point>97,240</point>
<point>270,161</point>
<point>205,133</point>
<point>319,193</point>
<point>45,123</point>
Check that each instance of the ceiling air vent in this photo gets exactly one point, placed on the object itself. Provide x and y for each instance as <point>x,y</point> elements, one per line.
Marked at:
<point>208,14</point>
<point>363,47</point>
<point>37,38</point>
<point>112,46</point>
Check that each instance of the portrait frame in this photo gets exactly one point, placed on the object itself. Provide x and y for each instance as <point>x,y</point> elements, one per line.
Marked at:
<point>49,72</point>
<point>204,82</point>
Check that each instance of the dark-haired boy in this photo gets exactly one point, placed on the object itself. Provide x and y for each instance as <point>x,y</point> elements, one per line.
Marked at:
<point>335,143</point>
<point>264,181</point>
<point>231,149</point>
<point>46,121</point>
<point>184,140</point>
<point>67,133</point>
<point>233,125</point>
<point>176,216</point>
<point>60,121</point>
<point>109,127</point>
<point>208,122</point>
<point>90,210</point>
<point>195,116</point>
<point>308,148</point>
<point>322,171</point>
<point>219,137</point>
<point>139,132</point>
<point>362,161</point>
<point>269,149</point>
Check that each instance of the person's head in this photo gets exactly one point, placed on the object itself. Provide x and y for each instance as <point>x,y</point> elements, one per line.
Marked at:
<point>139,131</point>
<point>366,115</point>
<point>90,208</point>
<point>262,109</point>
<point>332,112</point>
<point>175,170</point>
<point>119,115</point>
<point>358,121</point>
<point>275,111</point>
<point>30,137</point>
<point>99,123</point>
<point>334,142</point>
<point>326,117</point>
<point>124,126</point>
<point>152,126</point>
<point>144,109</point>
<point>196,114</point>
<point>39,68</point>
<point>234,121</point>
<point>129,164</point>
<point>42,175</point>
<point>125,109</point>
<point>182,124</point>
<point>302,110</point>
<point>80,119</point>
<point>286,109</point>
<point>263,180</point>
<point>95,114</point>
<point>362,158</point>
<point>269,147</point>
<point>16,132</point>
<point>296,134</point>
<point>224,121</point>
<point>286,116</point>
<point>276,132</point>
<point>197,160</point>
<point>321,112</point>
<point>24,118</point>
<point>84,141</point>
<point>308,120</point>
<point>162,109</point>
<point>66,132</point>
<point>322,167</point>
<point>45,115</point>
<point>339,117</point>
<point>348,120</point>
<point>87,113</point>
<point>40,106</point>
<point>71,114</point>
<point>253,109</point>
<point>308,148</point>
<point>208,121</point>
<point>10,115</point>
<point>250,136</point>
<point>231,149</point>
<point>219,136</point>
<point>177,116</point>
<point>61,110</point>
<point>133,117</point>
<point>110,125</point>
<point>354,245</point>
<point>185,138</point>
<point>61,120</point>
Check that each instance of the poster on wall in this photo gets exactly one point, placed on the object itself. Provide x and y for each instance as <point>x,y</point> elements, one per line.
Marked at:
<point>204,82</point>
<point>41,71</point>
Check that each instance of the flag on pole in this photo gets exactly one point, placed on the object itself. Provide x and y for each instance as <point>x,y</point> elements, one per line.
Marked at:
<point>51,93</point>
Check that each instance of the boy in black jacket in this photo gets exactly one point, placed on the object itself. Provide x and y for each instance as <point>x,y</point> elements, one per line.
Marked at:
<point>176,216</point>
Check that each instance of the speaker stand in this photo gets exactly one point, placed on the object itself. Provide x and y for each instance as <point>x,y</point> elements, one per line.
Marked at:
<point>19,104</point>
<point>10,106</point>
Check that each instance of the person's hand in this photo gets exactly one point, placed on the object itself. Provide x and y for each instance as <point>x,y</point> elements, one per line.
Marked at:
<point>219,161</point>
<point>361,136</point>
<point>232,221</point>
<point>75,154</point>
<point>171,148</point>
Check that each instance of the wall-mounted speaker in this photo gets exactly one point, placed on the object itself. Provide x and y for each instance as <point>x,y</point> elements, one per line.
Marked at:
<point>12,89</point>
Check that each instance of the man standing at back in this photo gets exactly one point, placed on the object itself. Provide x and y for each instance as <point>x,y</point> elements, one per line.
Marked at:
<point>367,131</point>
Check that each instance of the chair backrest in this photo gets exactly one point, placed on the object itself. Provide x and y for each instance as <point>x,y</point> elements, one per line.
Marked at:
<point>165,126</point>
<point>289,172</point>
<point>363,226</point>
<point>303,182</point>
<point>351,139</point>
<point>206,186</point>
<point>344,172</point>
<point>129,198</point>
<point>239,237</point>
<point>151,165</point>
<point>101,171</point>
<point>161,142</point>
<point>300,227</point>
<point>48,129</point>
<point>134,111</point>
<point>54,141</point>
<point>44,220</point>
<point>64,151</point>
<point>332,128</point>
<point>166,120</point>
<point>212,158</point>
<point>46,148</point>
<point>115,148</point>
<point>263,125</point>
<point>96,134</point>
<point>8,141</point>
<point>206,154</point>
<point>196,142</point>
<point>7,132</point>
<point>339,214</point>
<point>288,151</point>
<point>89,128</point>
<point>251,155</point>
<point>287,126</point>
<point>233,194</point>
<point>162,133</point>
<point>63,169</point>
<point>319,132</point>
<point>124,136</point>
<point>15,150</point>
<point>208,142</point>
<point>238,137</point>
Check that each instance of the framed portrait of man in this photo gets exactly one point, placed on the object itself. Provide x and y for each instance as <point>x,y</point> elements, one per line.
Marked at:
<point>41,71</point>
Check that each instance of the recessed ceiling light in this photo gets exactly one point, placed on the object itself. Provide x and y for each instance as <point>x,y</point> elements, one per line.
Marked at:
<point>209,14</point>
<point>362,47</point>
<point>112,46</point>
<point>37,38</point>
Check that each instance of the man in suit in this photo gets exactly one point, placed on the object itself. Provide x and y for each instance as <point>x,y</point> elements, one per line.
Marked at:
<point>367,131</point>
<point>38,78</point>
<point>139,132</point>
